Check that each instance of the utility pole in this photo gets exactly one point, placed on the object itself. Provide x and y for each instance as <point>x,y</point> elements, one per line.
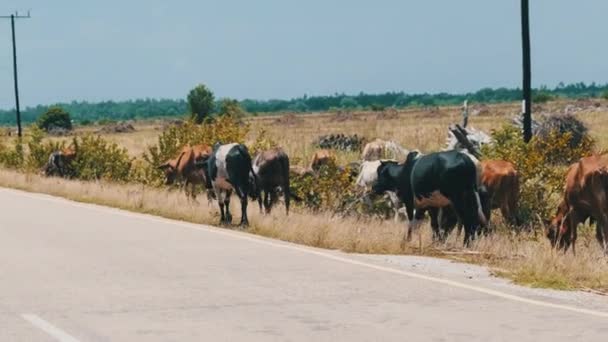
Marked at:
<point>527,78</point>
<point>17,109</point>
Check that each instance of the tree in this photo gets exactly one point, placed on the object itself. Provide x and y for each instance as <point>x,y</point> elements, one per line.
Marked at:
<point>230,107</point>
<point>200,101</point>
<point>55,117</point>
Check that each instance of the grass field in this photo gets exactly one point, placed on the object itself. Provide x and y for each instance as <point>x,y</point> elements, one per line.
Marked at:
<point>526,258</point>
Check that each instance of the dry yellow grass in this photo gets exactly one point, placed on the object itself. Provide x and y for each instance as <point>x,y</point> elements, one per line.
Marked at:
<point>526,258</point>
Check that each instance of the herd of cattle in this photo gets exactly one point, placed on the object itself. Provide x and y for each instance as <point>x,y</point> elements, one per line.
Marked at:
<point>453,186</point>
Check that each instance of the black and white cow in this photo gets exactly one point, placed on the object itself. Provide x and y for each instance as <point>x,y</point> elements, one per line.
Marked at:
<point>432,182</point>
<point>228,169</point>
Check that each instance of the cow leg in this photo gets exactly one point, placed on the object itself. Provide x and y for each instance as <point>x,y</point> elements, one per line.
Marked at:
<point>601,232</point>
<point>467,209</point>
<point>409,209</point>
<point>287,195</point>
<point>414,224</point>
<point>395,203</point>
<point>193,191</point>
<point>260,200</point>
<point>267,201</point>
<point>274,198</point>
<point>435,219</point>
<point>222,215</point>
<point>227,204</point>
<point>244,220</point>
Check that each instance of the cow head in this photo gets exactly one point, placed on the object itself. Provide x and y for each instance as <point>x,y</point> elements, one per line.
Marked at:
<point>170,170</point>
<point>558,229</point>
<point>386,179</point>
<point>254,187</point>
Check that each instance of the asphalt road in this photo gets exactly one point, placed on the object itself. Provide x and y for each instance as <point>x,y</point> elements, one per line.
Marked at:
<point>74,272</point>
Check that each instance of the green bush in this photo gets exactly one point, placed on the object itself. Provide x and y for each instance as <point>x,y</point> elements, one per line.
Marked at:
<point>55,117</point>
<point>541,165</point>
<point>96,159</point>
<point>542,97</point>
<point>11,154</point>
<point>39,150</point>
<point>377,107</point>
<point>230,107</point>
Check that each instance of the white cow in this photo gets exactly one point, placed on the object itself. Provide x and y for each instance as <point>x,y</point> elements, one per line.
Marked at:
<point>368,175</point>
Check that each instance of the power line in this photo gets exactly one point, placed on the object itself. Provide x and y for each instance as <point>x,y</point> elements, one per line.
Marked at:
<point>17,109</point>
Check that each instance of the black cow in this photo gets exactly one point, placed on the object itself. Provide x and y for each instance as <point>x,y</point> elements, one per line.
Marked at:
<point>272,170</point>
<point>228,169</point>
<point>434,181</point>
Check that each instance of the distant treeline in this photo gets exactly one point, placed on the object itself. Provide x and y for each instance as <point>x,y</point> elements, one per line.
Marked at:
<point>84,112</point>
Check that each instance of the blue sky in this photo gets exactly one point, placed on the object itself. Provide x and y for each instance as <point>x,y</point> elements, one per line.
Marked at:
<point>80,50</point>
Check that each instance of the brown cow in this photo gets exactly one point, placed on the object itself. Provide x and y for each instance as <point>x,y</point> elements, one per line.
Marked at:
<point>585,196</point>
<point>322,157</point>
<point>271,167</point>
<point>184,166</point>
<point>501,181</point>
<point>59,163</point>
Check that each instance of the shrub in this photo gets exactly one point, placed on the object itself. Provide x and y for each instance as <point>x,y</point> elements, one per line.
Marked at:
<point>96,158</point>
<point>565,124</point>
<point>11,155</point>
<point>541,164</point>
<point>55,117</point>
<point>348,102</point>
<point>542,97</point>
<point>200,101</point>
<point>230,107</point>
<point>605,95</point>
<point>39,151</point>
<point>262,142</point>
<point>329,189</point>
<point>377,107</point>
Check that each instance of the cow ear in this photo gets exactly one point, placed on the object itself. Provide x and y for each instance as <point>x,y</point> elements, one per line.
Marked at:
<point>411,156</point>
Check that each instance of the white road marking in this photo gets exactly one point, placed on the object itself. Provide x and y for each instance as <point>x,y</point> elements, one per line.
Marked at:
<point>309,250</point>
<point>48,328</point>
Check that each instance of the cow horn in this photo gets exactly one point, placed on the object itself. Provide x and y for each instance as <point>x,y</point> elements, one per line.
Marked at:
<point>164,166</point>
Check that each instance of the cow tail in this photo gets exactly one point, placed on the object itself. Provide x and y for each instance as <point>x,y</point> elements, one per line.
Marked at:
<point>482,217</point>
<point>243,150</point>
<point>287,190</point>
